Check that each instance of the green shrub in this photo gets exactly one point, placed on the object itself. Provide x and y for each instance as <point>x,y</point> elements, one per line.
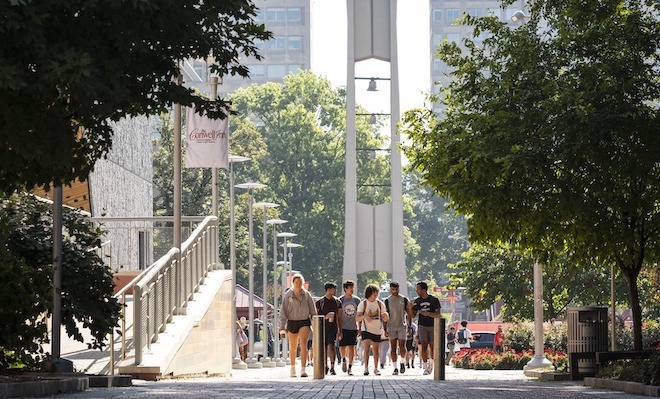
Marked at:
<point>519,337</point>
<point>556,337</point>
<point>26,273</point>
<point>645,371</point>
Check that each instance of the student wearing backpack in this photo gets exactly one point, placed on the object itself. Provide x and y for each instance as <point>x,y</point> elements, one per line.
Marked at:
<point>398,326</point>
<point>372,315</point>
<point>463,336</point>
<point>427,307</point>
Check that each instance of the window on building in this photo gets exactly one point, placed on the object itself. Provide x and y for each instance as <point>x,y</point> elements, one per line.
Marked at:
<point>294,15</point>
<point>294,68</point>
<point>476,12</point>
<point>276,71</point>
<point>438,65</point>
<point>277,43</point>
<point>260,15</point>
<point>452,15</point>
<point>294,43</point>
<point>437,15</point>
<point>257,71</point>
<point>436,40</point>
<point>454,37</point>
<point>275,15</point>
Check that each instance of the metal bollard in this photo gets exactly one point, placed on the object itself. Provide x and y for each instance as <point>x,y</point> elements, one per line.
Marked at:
<point>318,346</point>
<point>439,349</point>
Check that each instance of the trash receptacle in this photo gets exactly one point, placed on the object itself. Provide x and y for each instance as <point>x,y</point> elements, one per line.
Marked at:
<point>587,332</point>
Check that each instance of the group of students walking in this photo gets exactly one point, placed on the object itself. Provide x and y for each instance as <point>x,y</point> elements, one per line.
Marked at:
<point>372,320</point>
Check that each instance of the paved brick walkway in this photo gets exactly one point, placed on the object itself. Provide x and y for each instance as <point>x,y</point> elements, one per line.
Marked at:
<point>276,384</point>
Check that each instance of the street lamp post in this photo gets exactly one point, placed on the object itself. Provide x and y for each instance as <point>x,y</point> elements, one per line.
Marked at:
<point>265,361</point>
<point>285,344</point>
<point>237,362</point>
<point>251,361</point>
<point>276,348</point>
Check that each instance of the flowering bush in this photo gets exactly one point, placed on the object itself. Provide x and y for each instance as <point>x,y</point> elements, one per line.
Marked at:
<point>486,359</point>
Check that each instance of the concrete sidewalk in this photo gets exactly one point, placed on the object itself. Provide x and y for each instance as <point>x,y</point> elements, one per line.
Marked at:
<point>275,383</point>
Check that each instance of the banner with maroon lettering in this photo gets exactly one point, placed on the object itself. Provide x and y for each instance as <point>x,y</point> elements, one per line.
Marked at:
<point>206,141</point>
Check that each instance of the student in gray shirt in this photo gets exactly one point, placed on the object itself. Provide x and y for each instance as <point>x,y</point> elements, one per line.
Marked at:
<point>295,317</point>
<point>349,329</point>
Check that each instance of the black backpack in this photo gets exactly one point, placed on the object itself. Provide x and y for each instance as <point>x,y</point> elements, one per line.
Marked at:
<point>461,337</point>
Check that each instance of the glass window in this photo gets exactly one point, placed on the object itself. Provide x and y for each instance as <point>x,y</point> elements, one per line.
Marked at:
<point>295,68</point>
<point>437,39</point>
<point>260,17</point>
<point>276,71</point>
<point>452,15</point>
<point>277,43</point>
<point>476,12</point>
<point>294,43</point>
<point>437,15</point>
<point>438,65</point>
<point>275,15</point>
<point>294,14</point>
<point>257,71</point>
<point>454,37</point>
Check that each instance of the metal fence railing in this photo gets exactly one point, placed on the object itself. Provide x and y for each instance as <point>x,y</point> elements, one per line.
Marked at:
<point>164,289</point>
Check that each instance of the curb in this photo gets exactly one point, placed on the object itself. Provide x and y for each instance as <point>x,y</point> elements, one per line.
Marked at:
<point>44,386</point>
<point>635,388</point>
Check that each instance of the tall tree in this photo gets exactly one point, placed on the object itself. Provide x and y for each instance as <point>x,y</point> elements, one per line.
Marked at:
<point>492,273</point>
<point>550,134</point>
<point>82,64</point>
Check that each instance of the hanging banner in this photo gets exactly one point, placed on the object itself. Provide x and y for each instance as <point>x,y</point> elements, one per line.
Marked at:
<point>206,141</point>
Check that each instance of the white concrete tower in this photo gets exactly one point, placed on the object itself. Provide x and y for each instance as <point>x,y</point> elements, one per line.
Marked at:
<point>373,238</point>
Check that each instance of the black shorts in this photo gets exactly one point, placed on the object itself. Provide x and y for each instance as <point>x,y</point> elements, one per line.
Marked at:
<point>348,338</point>
<point>409,345</point>
<point>293,326</point>
<point>369,336</point>
<point>330,336</point>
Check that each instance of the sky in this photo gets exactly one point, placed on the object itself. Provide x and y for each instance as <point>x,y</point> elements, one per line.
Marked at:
<point>329,47</point>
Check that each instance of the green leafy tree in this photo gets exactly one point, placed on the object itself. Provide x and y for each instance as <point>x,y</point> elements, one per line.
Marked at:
<point>439,233</point>
<point>549,139</point>
<point>494,273</point>
<point>79,64</point>
<point>26,284</point>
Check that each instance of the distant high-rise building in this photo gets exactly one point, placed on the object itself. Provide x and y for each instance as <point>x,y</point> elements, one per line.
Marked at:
<point>288,51</point>
<point>443,15</point>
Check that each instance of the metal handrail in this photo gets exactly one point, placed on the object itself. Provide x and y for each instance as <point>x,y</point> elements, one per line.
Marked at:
<point>170,281</point>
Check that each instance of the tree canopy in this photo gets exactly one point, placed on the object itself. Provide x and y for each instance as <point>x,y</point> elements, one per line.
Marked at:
<point>78,64</point>
<point>549,136</point>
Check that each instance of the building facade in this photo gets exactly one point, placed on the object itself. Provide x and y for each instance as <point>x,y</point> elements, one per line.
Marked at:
<point>443,26</point>
<point>288,51</point>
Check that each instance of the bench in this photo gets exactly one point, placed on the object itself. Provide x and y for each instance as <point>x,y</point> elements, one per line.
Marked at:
<point>604,357</point>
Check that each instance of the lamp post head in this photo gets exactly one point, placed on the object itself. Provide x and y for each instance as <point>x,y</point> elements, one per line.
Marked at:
<point>250,185</point>
<point>293,245</point>
<point>237,158</point>
<point>265,205</point>
<point>276,221</point>
<point>286,235</point>
<point>518,16</point>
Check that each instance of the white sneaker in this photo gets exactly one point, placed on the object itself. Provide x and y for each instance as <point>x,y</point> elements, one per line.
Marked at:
<point>426,372</point>
<point>430,366</point>
<point>303,372</point>
<point>293,371</point>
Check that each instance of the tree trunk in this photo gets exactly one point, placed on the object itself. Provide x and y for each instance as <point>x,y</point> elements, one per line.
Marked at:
<point>631,274</point>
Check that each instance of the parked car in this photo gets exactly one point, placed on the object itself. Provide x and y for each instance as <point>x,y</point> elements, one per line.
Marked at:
<point>258,345</point>
<point>482,340</point>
